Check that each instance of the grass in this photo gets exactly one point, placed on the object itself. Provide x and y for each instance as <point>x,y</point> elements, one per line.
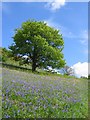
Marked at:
<point>0,92</point>
<point>31,95</point>
<point>27,68</point>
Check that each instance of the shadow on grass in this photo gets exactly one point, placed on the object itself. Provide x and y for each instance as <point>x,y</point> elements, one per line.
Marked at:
<point>15,67</point>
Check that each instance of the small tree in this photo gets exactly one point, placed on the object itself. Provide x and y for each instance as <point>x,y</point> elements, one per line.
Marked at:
<point>83,77</point>
<point>41,43</point>
<point>68,70</point>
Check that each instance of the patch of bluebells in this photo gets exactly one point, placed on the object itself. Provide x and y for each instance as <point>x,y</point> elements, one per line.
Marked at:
<point>35,96</point>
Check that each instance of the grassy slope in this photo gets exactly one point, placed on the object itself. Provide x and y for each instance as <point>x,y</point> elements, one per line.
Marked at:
<point>0,92</point>
<point>32,95</point>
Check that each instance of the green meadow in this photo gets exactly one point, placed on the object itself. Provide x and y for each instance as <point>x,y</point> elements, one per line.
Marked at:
<point>32,95</point>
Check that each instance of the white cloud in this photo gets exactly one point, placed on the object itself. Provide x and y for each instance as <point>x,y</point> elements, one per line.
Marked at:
<point>51,23</point>
<point>81,69</point>
<point>55,4</point>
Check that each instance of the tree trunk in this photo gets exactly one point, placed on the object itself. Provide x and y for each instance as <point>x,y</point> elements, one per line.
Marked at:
<point>34,60</point>
<point>33,65</point>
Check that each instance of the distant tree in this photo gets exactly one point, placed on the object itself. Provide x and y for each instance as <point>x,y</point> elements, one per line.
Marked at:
<point>41,43</point>
<point>83,77</point>
<point>68,70</point>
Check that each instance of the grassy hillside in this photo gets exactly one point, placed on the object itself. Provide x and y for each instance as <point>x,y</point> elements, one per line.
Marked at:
<point>0,92</point>
<point>29,95</point>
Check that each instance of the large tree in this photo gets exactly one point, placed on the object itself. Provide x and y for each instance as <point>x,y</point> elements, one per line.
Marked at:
<point>41,43</point>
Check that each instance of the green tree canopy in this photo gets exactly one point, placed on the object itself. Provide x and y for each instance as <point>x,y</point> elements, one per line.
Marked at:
<point>41,43</point>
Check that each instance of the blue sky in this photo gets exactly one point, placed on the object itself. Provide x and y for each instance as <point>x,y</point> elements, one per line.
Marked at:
<point>71,18</point>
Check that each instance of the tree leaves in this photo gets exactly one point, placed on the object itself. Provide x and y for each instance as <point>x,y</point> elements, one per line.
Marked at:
<point>40,42</point>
